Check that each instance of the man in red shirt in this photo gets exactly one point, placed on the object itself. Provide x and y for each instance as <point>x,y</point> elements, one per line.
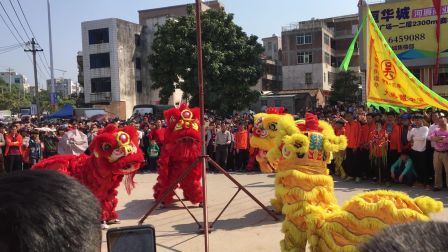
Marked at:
<point>353,134</point>
<point>158,134</point>
<point>367,125</point>
<point>393,131</point>
<point>13,152</point>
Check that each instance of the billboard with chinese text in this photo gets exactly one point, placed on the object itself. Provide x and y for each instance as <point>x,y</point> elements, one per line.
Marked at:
<point>410,27</point>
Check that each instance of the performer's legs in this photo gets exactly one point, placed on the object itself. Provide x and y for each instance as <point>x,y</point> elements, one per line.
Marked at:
<point>164,180</point>
<point>192,186</point>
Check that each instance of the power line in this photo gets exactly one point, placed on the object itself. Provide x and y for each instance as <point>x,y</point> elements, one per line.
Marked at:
<point>26,20</point>
<point>2,51</point>
<point>20,21</point>
<point>40,72</point>
<point>9,46</point>
<point>29,27</point>
<point>12,23</point>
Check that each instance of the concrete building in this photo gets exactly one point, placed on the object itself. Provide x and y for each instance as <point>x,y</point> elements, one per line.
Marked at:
<point>111,65</point>
<point>294,101</point>
<point>16,79</point>
<point>272,47</point>
<point>312,50</point>
<point>149,20</point>
<point>64,87</point>
<point>272,65</point>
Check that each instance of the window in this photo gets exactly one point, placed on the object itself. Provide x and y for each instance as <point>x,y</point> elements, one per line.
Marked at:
<point>137,40</point>
<point>278,103</point>
<point>354,29</point>
<point>99,60</point>
<point>304,57</point>
<point>138,63</point>
<point>99,36</point>
<point>17,80</point>
<point>326,39</point>
<point>304,38</point>
<point>308,78</point>
<point>327,58</point>
<point>139,86</point>
<point>415,72</point>
<point>331,78</point>
<point>443,76</point>
<point>100,85</point>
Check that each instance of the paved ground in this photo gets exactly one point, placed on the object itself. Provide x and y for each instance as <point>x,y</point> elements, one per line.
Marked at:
<point>243,227</point>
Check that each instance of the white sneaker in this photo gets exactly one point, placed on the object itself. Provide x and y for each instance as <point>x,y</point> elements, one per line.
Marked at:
<point>104,225</point>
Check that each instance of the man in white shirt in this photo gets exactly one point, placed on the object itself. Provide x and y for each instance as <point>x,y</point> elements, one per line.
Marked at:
<point>223,140</point>
<point>418,136</point>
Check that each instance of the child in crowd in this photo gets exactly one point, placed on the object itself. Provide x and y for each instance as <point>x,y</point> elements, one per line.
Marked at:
<point>153,154</point>
<point>402,171</point>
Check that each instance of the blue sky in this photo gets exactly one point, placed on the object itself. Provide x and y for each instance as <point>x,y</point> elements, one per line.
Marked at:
<point>259,17</point>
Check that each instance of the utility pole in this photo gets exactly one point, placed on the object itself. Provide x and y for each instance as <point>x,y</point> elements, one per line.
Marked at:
<point>36,84</point>
<point>53,96</point>
<point>10,77</point>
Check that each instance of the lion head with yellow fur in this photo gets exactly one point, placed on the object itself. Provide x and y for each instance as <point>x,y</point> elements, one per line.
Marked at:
<point>264,134</point>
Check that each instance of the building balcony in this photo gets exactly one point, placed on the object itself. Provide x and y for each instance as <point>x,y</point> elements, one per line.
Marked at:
<point>100,97</point>
<point>344,33</point>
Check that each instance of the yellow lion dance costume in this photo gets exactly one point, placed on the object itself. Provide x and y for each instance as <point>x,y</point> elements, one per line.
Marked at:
<point>263,137</point>
<point>304,189</point>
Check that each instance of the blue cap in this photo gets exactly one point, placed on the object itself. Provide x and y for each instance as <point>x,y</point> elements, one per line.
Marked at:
<point>406,116</point>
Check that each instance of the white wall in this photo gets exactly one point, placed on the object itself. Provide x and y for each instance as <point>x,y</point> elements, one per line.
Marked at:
<point>294,76</point>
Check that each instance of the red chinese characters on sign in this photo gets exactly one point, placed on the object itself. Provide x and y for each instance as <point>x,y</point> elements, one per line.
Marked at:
<point>388,69</point>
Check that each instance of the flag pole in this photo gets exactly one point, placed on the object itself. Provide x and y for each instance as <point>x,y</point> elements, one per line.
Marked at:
<point>202,105</point>
<point>366,42</point>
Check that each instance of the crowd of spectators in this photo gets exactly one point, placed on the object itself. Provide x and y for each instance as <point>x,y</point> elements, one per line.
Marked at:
<point>385,147</point>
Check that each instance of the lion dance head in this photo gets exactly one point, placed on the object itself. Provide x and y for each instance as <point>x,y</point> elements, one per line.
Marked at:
<point>183,130</point>
<point>117,150</point>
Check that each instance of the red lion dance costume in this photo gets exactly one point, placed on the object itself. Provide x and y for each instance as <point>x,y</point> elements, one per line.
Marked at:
<point>115,153</point>
<point>181,148</point>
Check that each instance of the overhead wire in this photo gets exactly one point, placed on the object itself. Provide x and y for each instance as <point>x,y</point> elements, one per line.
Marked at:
<point>46,64</point>
<point>20,21</point>
<point>17,35</point>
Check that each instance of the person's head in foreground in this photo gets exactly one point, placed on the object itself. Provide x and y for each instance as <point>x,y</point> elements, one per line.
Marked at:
<point>412,236</point>
<point>47,211</point>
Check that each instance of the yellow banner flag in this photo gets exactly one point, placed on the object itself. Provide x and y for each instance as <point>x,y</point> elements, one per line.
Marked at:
<point>389,83</point>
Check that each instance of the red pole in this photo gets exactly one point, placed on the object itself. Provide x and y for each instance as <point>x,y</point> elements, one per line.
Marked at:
<point>201,105</point>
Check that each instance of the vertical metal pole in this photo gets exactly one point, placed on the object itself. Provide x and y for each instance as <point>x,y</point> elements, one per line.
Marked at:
<point>367,46</point>
<point>9,72</point>
<point>36,83</point>
<point>52,100</point>
<point>201,105</point>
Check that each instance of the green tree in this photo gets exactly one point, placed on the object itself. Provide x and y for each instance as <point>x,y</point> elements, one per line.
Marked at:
<point>231,61</point>
<point>12,100</point>
<point>346,88</point>
<point>44,101</point>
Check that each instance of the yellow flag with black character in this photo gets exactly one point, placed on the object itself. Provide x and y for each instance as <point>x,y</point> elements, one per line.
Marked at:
<point>390,84</point>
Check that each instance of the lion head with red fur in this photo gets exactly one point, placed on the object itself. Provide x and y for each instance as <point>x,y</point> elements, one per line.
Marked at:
<point>183,130</point>
<point>117,149</point>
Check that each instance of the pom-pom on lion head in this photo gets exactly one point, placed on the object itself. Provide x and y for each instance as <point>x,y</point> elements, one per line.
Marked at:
<point>117,149</point>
